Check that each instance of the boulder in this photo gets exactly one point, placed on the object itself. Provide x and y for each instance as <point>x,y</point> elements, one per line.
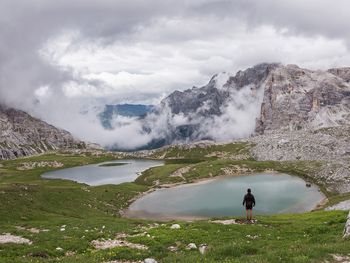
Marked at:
<point>175,226</point>
<point>191,246</point>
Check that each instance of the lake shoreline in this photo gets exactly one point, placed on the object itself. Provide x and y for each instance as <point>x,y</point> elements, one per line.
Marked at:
<point>127,213</point>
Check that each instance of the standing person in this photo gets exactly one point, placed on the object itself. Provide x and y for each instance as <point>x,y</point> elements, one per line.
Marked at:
<point>249,202</point>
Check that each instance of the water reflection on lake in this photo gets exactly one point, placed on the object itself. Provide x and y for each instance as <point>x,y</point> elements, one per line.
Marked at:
<point>105,173</point>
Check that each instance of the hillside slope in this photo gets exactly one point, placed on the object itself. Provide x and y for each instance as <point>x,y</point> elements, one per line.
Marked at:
<point>23,135</point>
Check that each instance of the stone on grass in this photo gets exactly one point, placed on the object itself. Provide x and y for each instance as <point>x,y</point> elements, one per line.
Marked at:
<point>175,226</point>
<point>9,238</point>
<point>150,260</point>
<point>225,222</point>
<point>112,243</point>
<point>341,258</point>
<point>203,248</point>
<point>191,246</point>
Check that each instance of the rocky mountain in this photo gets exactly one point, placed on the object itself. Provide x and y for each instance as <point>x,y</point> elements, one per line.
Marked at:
<point>22,135</point>
<point>296,99</point>
<point>258,100</point>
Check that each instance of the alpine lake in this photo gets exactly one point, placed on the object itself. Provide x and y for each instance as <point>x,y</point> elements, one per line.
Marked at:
<point>275,193</point>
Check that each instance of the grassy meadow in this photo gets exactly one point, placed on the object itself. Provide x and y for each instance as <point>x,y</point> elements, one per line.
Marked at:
<point>62,218</point>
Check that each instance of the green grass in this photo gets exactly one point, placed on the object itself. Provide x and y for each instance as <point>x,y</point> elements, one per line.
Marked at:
<point>90,213</point>
<point>198,152</point>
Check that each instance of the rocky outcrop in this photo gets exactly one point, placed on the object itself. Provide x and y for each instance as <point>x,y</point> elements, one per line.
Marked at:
<point>22,135</point>
<point>296,99</point>
<point>343,73</point>
<point>344,205</point>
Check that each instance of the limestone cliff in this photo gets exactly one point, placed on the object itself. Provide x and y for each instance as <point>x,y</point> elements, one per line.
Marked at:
<point>297,98</point>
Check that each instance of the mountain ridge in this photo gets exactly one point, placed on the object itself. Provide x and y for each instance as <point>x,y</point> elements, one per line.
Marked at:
<point>276,96</point>
<point>23,135</point>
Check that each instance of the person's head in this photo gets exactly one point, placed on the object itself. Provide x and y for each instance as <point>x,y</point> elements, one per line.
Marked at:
<point>249,191</point>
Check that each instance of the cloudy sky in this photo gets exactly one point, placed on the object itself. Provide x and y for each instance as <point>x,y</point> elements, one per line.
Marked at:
<point>55,55</point>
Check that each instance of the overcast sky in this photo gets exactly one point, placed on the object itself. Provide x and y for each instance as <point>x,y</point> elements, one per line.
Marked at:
<point>53,53</point>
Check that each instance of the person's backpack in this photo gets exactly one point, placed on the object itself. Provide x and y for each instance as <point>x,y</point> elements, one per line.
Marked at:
<point>249,200</point>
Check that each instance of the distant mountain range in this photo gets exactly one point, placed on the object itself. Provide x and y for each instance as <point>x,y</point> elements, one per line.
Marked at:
<point>258,100</point>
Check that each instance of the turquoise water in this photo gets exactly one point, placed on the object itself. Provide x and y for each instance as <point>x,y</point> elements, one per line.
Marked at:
<point>95,174</point>
<point>274,193</point>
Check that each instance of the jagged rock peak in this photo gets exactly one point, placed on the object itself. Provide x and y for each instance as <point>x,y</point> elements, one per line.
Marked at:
<point>215,93</point>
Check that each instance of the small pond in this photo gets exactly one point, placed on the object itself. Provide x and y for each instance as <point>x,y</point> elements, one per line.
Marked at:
<point>113,172</point>
<point>274,193</point>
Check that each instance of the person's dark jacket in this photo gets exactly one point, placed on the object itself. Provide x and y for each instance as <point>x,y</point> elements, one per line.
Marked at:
<point>249,200</point>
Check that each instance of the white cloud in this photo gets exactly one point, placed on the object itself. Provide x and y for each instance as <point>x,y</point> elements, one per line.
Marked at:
<point>71,55</point>
<point>141,64</point>
<point>42,91</point>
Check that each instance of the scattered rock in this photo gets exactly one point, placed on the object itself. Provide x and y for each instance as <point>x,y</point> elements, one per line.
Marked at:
<point>191,246</point>
<point>203,248</point>
<point>150,260</point>
<point>345,205</point>
<point>225,222</point>
<point>59,249</point>
<point>330,145</point>
<point>111,243</point>
<point>175,226</point>
<point>9,238</point>
<point>33,165</point>
<point>341,258</point>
